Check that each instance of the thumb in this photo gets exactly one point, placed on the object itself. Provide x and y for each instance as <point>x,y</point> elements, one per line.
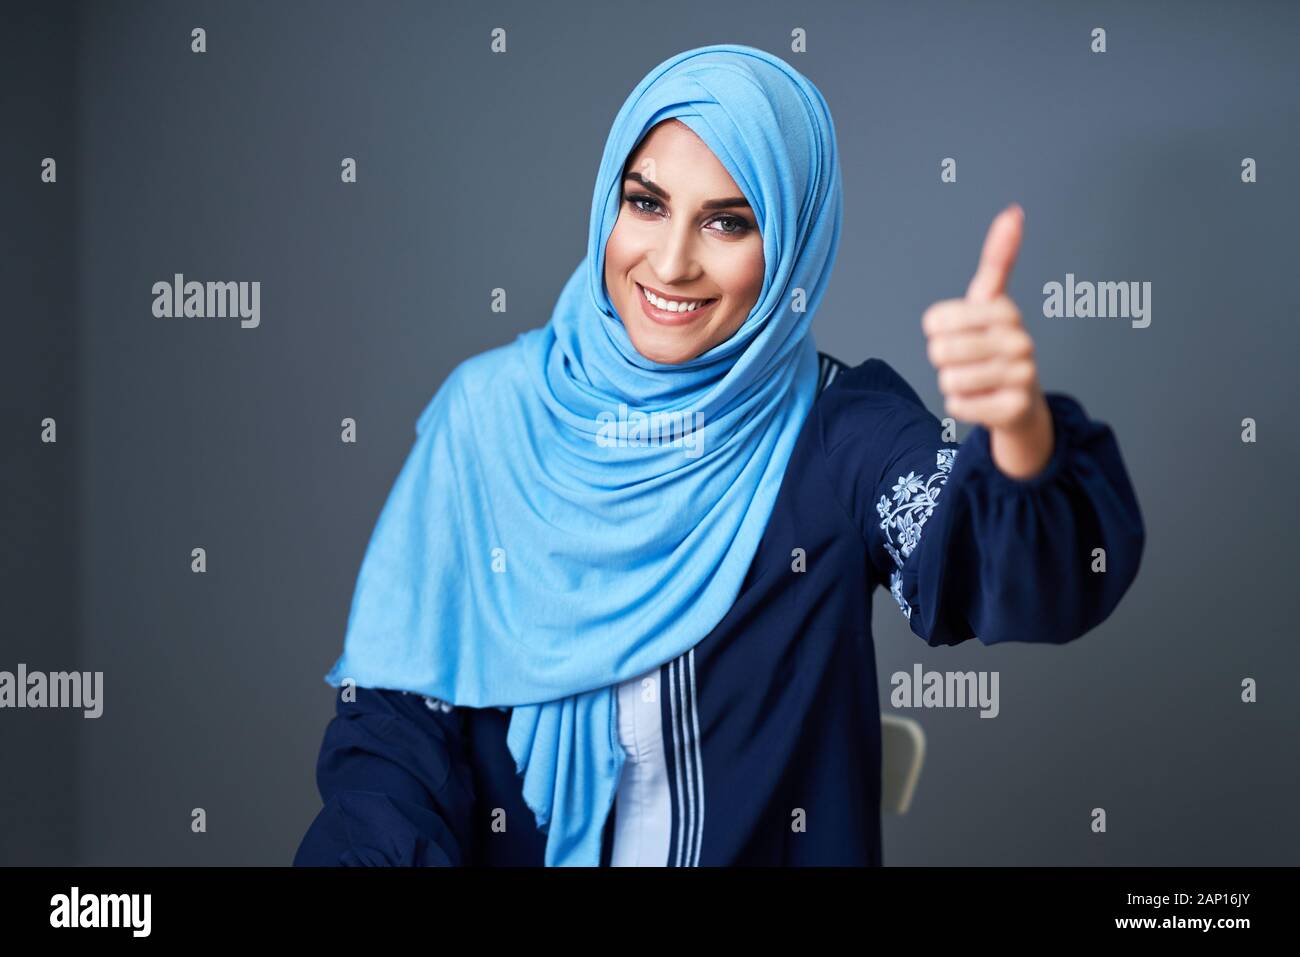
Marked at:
<point>1000,248</point>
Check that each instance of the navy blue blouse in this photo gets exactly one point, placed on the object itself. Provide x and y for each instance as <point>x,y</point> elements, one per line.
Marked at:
<point>771,723</point>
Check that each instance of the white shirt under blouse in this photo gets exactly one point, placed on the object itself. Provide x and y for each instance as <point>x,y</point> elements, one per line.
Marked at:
<point>643,810</point>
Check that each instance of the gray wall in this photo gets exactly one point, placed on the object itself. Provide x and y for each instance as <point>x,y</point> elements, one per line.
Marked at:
<point>475,172</point>
<point>39,582</point>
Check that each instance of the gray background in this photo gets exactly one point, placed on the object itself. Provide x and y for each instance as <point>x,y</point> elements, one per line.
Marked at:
<point>475,172</point>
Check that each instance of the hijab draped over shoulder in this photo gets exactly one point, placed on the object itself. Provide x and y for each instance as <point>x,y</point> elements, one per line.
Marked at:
<point>523,559</point>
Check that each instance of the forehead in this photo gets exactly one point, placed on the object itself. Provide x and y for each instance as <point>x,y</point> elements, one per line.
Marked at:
<point>674,156</point>
<point>670,134</point>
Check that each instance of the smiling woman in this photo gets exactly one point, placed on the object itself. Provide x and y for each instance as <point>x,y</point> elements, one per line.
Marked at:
<point>645,592</point>
<point>684,262</point>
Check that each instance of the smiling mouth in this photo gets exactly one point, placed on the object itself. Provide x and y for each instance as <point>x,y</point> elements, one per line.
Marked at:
<point>670,311</point>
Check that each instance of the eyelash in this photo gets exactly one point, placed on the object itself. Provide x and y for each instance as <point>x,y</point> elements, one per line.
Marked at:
<point>742,225</point>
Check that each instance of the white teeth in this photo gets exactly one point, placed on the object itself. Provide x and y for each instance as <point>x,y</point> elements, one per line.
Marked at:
<point>670,306</point>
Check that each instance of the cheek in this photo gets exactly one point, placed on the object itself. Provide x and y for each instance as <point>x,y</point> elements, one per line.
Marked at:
<point>620,251</point>
<point>740,274</point>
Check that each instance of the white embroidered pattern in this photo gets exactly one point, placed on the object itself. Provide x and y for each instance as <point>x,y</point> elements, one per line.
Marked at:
<point>434,704</point>
<point>912,506</point>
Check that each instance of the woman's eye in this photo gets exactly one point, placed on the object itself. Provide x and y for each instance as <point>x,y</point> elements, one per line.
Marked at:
<point>736,225</point>
<point>636,202</point>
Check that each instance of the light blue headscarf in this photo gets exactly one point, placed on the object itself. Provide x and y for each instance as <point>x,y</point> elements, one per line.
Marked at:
<point>529,558</point>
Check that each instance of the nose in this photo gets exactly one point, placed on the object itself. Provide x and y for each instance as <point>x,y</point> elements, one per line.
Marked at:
<point>674,259</point>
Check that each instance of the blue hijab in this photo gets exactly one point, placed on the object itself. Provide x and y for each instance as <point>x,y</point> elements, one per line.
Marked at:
<point>533,554</point>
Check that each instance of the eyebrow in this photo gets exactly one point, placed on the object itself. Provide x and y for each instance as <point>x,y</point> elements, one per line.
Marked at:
<point>707,204</point>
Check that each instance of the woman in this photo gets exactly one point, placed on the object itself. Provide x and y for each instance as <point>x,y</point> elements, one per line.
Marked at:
<point>617,606</point>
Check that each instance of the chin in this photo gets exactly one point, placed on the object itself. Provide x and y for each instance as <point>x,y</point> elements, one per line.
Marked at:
<point>657,350</point>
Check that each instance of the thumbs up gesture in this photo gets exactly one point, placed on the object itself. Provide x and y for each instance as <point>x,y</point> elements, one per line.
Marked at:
<point>985,358</point>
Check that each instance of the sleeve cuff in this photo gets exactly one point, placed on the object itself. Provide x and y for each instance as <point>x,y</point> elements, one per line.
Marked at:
<point>1066,415</point>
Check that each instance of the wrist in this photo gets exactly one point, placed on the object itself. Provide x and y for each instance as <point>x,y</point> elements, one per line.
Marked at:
<point>1023,449</point>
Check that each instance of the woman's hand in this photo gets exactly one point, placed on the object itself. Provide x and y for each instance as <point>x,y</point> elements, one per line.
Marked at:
<point>985,358</point>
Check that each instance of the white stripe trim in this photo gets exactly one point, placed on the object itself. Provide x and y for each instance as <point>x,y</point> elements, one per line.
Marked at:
<point>688,762</point>
<point>699,763</point>
<point>677,758</point>
<point>689,826</point>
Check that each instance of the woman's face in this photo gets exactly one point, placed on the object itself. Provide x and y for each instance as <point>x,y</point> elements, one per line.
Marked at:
<point>685,233</point>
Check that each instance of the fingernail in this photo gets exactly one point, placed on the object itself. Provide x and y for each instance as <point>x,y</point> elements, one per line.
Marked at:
<point>1016,208</point>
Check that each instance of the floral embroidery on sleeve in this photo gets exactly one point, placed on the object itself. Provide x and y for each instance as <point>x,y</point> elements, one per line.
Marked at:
<point>904,517</point>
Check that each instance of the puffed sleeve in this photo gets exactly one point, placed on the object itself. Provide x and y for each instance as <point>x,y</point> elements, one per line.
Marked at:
<point>396,785</point>
<point>967,551</point>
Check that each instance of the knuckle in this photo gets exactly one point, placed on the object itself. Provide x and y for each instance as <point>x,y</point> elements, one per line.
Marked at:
<point>935,351</point>
<point>936,315</point>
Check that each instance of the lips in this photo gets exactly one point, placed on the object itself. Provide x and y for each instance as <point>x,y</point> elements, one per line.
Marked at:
<point>668,317</point>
